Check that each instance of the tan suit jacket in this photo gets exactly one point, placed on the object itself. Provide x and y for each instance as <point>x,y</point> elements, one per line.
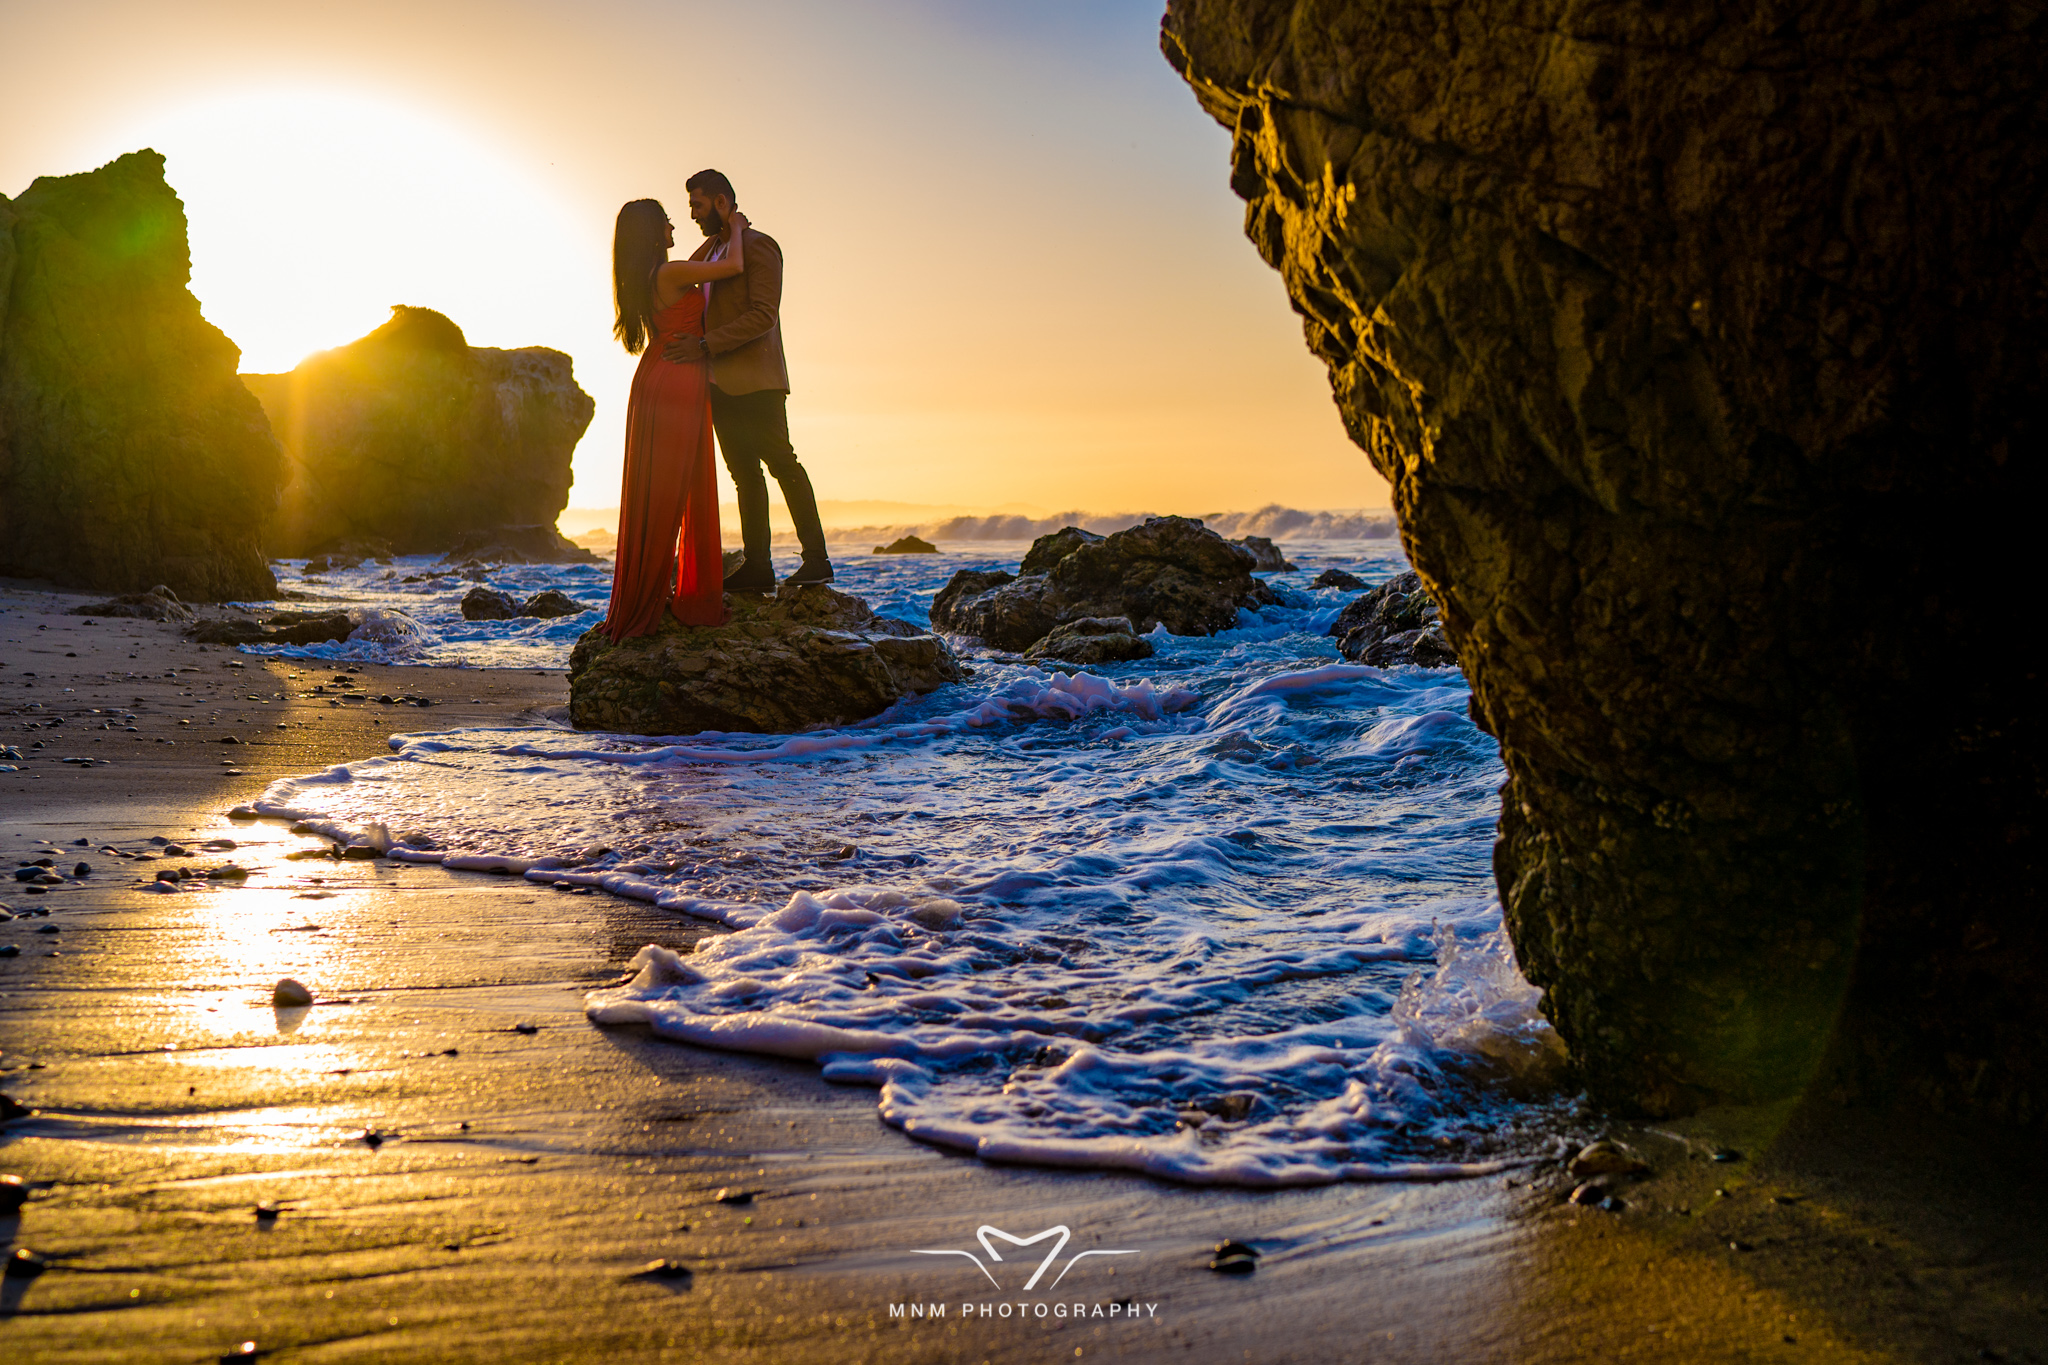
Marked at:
<point>743,320</point>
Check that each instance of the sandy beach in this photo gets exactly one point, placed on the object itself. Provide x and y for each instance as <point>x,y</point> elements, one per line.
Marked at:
<point>441,1159</point>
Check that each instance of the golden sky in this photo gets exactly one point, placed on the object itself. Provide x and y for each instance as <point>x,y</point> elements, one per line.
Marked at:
<point>1016,275</point>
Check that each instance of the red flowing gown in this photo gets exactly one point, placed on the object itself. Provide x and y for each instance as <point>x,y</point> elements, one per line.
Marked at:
<point>668,551</point>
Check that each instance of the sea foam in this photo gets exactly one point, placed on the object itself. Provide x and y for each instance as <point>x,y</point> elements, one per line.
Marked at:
<point>1224,916</point>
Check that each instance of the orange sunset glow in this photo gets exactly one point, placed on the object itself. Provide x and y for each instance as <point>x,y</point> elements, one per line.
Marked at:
<point>1016,273</point>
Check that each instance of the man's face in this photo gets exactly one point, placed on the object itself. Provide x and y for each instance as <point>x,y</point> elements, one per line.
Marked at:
<point>708,211</point>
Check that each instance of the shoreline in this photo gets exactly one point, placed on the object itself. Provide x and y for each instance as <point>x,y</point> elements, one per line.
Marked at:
<point>525,1171</point>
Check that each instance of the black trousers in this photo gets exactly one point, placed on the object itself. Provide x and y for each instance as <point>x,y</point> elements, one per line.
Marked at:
<point>753,431</point>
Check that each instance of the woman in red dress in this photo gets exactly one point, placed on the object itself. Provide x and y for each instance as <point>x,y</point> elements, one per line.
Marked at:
<point>668,550</point>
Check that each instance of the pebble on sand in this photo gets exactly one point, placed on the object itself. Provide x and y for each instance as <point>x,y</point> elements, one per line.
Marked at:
<point>288,994</point>
<point>25,1264</point>
<point>1604,1158</point>
<point>1234,1258</point>
<point>664,1269</point>
<point>13,1193</point>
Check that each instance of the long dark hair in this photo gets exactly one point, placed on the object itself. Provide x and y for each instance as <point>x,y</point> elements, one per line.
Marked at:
<point>639,245</point>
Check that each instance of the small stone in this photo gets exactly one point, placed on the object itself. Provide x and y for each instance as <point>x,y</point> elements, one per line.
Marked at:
<point>82,870</point>
<point>1725,1154</point>
<point>729,1195</point>
<point>1592,1192</point>
<point>1234,1258</point>
<point>220,845</point>
<point>267,1212</point>
<point>1604,1158</point>
<point>25,1264</point>
<point>46,929</point>
<point>524,1027</point>
<point>176,851</point>
<point>1740,1246</point>
<point>245,1350</point>
<point>665,1269</point>
<point>12,1109</point>
<point>243,813</point>
<point>9,950</point>
<point>371,1138</point>
<point>13,1193</point>
<point>290,994</point>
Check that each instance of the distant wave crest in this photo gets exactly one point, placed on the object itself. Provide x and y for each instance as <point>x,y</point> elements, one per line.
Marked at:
<point>1272,521</point>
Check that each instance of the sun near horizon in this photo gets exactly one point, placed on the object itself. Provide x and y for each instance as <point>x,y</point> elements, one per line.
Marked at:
<point>1016,275</point>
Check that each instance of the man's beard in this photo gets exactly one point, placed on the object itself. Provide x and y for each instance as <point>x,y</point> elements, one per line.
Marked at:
<point>713,224</point>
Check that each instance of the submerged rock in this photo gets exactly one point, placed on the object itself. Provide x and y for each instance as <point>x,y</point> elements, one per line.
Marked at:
<point>1337,578</point>
<point>410,439</point>
<point>536,544</point>
<point>130,454</point>
<point>1171,571</point>
<point>488,604</point>
<point>158,604</point>
<point>1091,641</point>
<point>907,545</point>
<point>804,658</point>
<point>1395,623</point>
<point>1715,434</point>
<point>282,628</point>
<point>551,604</point>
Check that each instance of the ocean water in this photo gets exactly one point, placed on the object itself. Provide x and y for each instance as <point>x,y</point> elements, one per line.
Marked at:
<point>1225,915</point>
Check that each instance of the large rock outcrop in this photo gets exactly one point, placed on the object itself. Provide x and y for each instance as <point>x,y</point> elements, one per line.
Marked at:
<point>410,435</point>
<point>804,658</point>
<point>130,454</point>
<point>1702,347</point>
<point>1170,571</point>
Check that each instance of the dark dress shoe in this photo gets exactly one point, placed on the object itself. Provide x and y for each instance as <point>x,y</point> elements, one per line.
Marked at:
<point>747,578</point>
<point>813,572</point>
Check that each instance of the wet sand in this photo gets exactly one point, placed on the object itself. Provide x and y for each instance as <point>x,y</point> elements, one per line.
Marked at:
<point>529,1165</point>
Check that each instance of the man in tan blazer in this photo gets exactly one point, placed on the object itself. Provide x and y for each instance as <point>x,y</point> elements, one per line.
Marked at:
<point>750,390</point>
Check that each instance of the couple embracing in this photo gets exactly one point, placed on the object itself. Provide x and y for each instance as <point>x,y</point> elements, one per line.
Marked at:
<point>708,333</point>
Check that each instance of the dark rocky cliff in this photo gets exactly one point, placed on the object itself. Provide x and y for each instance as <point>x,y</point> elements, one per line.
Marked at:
<point>130,454</point>
<point>413,437</point>
<point>1702,346</point>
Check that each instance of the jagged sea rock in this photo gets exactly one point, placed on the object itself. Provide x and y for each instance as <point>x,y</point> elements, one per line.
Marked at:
<point>1170,571</point>
<point>1048,550</point>
<point>130,454</point>
<point>907,545</point>
<point>804,658</point>
<point>1701,347</point>
<point>1337,578</point>
<point>413,438</point>
<point>1395,623</point>
<point>488,604</point>
<point>1091,642</point>
<point>158,604</point>
<point>1266,556</point>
